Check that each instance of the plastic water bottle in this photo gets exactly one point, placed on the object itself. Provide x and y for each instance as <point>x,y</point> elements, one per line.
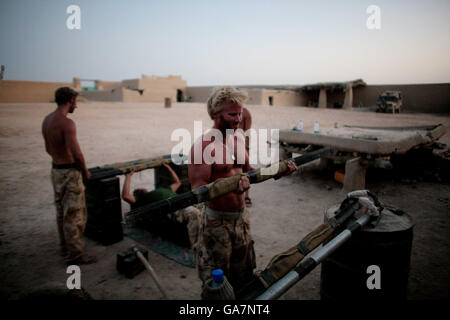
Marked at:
<point>316,127</point>
<point>217,280</point>
<point>218,288</point>
<point>299,128</point>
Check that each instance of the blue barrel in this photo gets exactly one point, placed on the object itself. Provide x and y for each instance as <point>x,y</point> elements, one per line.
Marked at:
<point>374,264</point>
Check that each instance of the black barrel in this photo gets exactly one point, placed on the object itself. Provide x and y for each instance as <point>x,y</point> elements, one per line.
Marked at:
<point>104,211</point>
<point>348,274</point>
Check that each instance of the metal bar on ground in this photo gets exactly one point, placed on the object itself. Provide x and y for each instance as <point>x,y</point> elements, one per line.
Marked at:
<point>306,266</point>
<point>152,272</point>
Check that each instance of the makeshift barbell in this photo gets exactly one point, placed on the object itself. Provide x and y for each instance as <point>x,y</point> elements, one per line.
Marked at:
<point>219,187</point>
<point>111,170</point>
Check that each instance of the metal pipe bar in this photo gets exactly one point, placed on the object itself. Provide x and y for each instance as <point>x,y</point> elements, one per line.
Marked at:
<point>306,266</point>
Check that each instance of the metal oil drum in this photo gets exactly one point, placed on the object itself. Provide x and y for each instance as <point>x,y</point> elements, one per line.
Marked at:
<point>374,264</point>
<point>167,102</point>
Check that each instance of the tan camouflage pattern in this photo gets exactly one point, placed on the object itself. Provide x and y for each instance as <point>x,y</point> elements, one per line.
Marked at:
<point>226,244</point>
<point>71,213</point>
<point>191,215</point>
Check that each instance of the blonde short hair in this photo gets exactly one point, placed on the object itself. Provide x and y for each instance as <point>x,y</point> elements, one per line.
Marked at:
<point>222,95</point>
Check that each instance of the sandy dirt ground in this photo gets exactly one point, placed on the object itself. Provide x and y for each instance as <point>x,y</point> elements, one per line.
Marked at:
<point>284,211</point>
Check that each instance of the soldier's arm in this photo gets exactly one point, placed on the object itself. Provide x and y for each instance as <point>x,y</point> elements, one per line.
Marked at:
<point>176,183</point>
<point>239,140</point>
<point>291,166</point>
<point>126,196</point>
<point>248,125</point>
<point>44,135</point>
<point>244,182</point>
<point>247,166</point>
<point>70,137</point>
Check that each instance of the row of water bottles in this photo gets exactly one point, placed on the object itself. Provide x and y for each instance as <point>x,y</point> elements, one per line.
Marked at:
<point>299,127</point>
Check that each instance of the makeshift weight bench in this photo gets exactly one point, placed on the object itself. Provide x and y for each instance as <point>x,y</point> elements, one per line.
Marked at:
<point>360,147</point>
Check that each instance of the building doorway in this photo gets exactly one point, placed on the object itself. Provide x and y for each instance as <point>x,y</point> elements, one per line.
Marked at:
<point>270,100</point>
<point>180,97</point>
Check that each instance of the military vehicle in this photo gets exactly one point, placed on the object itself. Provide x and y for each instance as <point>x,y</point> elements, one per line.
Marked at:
<point>390,101</point>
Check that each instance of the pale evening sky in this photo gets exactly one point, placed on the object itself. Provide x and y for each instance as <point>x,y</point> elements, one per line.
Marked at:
<point>227,42</point>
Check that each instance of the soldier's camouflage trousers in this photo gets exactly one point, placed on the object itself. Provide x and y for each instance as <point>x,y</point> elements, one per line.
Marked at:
<point>191,215</point>
<point>227,244</point>
<point>71,214</point>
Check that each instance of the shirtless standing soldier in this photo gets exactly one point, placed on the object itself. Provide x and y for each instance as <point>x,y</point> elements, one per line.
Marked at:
<point>68,169</point>
<point>225,240</point>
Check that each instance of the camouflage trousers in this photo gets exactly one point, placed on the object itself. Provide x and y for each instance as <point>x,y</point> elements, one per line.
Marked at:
<point>226,243</point>
<point>190,215</point>
<point>71,213</point>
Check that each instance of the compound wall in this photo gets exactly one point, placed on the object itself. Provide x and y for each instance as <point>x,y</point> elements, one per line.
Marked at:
<point>429,98</point>
<point>30,91</point>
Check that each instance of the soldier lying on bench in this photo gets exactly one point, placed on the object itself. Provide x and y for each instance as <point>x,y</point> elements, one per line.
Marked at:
<point>141,197</point>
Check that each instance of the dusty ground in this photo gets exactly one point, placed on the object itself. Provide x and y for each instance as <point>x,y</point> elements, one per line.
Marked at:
<point>284,211</point>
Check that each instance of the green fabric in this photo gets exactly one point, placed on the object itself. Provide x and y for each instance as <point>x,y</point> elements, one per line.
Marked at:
<point>153,196</point>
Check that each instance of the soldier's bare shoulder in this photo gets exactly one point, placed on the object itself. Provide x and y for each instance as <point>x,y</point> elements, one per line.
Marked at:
<point>63,120</point>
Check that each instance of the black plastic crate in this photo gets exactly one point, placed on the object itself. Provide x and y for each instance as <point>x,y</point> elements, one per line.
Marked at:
<point>128,262</point>
<point>104,209</point>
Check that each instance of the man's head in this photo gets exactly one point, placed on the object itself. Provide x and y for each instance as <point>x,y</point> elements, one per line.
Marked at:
<point>66,95</point>
<point>225,107</point>
<point>139,192</point>
<point>222,96</point>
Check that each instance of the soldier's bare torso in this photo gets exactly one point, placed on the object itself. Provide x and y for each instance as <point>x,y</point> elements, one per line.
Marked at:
<point>235,158</point>
<point>229,166</point>
<point>53,130</point>
<point>231,201</point>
